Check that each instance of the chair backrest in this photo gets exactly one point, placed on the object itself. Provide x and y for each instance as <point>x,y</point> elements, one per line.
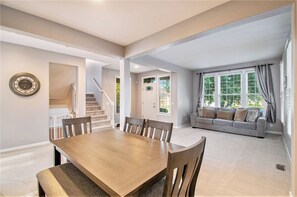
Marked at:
<point>134,125</point>
<point>158,130</point>
<point>187,163</point>
<point>76,126</point>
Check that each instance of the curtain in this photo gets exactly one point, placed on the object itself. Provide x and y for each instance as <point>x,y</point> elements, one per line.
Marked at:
<point>264,78</point>
<point>200,90</point>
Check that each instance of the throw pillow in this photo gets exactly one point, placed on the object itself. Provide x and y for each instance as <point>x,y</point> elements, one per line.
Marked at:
<point>227,115</point>
<point>200,112</point>
<point>240,115</point>
<point>252,115</point>
<point>209,113</point>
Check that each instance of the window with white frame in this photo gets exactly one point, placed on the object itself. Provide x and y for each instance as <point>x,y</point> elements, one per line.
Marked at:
<point>230,90</point>
<point>164,91</point>
<point>209,91</point>
<point>254,96</point>
<point>233,89</point>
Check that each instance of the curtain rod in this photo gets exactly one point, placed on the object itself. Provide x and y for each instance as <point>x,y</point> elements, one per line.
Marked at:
<point>216,71</point>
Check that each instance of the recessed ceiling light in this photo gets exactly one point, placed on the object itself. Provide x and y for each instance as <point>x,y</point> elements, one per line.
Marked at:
<point>136,66</point>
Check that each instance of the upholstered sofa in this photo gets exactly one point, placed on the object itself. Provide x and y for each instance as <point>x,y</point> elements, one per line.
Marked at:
<point>255,128</point>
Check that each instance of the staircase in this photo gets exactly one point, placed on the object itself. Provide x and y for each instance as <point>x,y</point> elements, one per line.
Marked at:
<point>100,121</point>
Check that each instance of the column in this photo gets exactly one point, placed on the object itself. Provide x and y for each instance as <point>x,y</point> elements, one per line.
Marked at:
<point>125,91</point>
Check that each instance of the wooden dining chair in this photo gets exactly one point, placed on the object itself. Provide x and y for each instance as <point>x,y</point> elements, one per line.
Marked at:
<point>134,125</point>
<point>158,130</point>
<point>77,126</point>
<point>187,163</point>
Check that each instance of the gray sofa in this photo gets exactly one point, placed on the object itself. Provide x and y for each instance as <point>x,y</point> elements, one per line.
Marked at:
<point>256,129</point>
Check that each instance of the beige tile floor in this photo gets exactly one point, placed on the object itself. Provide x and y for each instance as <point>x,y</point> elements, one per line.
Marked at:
<point>233,165</point>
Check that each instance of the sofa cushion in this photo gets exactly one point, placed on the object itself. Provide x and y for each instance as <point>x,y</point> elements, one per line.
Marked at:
<point>226,115</point>
<point>209,113</point>
<point>200,112</point>
<point>245,125</point>
<point>252,115</point>
<point>221,122</point>
<point>204,120</point>
<point>240,115</point>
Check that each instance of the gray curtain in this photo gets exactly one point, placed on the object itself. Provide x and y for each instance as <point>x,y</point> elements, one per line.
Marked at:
<point>200,90</point>
<point>264,78</point>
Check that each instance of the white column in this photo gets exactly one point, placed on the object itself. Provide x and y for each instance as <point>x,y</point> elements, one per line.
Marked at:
<point>125,91</point>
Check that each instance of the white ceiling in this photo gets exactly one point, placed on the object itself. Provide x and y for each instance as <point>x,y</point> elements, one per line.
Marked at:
<point>108,62</point>
<point>259,40</point>
<point>122,22</point>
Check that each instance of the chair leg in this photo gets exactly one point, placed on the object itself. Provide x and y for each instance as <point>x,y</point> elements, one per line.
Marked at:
<point>57,157</point>
<point>40,191</point>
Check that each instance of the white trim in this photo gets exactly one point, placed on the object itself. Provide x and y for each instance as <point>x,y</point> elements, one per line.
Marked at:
<point>287,150</point>
<point>181,126</point>
<point>89,92</point>
<point>24,147</point>
<point>274,132</point>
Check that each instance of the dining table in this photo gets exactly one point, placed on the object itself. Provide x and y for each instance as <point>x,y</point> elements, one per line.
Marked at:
<point>120,163</point>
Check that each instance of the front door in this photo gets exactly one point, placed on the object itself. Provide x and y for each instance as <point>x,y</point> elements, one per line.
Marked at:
<point>149,98</point>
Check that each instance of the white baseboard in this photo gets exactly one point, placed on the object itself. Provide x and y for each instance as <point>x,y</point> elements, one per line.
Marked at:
<point>274,132</point>
<point>24,147</point>
<point>180,126</point>
<point>287,150</point>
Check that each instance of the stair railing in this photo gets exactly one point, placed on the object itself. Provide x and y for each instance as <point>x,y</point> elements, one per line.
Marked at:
<point>109,104</point>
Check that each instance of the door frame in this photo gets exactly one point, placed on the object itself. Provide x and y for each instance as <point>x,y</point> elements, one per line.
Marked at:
<point>142,78</point>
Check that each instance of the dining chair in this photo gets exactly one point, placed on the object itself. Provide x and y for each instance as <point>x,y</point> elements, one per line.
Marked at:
<point>158,130</point>
<point>134,125</point>
<point>76,126</point>
<point>186,163</point>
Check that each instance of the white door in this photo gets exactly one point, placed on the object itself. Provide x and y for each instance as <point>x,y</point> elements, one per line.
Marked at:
<point>149,98</point>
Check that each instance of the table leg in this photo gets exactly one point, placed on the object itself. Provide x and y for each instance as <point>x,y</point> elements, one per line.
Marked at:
<point>57,159</point>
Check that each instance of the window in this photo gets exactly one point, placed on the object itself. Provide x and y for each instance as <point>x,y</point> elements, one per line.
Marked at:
<point>254,97</point>
<point>209,90</point>
<point>117,95</point>
<point>230,90</point>
<point>164,94</point>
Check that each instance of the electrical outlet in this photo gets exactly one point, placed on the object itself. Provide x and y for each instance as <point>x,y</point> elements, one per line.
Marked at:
<point>270,125</point>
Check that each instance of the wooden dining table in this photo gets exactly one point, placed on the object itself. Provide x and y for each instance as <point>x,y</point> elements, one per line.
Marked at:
<point>120,163</point>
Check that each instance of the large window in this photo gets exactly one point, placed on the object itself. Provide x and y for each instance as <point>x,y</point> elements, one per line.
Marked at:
<point>164,94</point>
<point>254,97</point>
<point>209,91</point>
<point>230,90</point>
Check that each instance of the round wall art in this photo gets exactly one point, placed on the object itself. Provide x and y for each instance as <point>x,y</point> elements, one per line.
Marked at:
<point>24,84</point>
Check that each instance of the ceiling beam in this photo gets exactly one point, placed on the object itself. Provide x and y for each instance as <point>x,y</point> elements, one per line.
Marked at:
<point>28,24</point>
<point>217,19</point>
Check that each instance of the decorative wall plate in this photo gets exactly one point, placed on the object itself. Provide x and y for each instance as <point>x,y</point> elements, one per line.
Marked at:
<point>24,84</point>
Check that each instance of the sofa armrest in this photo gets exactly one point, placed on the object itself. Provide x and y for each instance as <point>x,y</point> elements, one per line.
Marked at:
<point>261,126</point>
<point>193,119</point>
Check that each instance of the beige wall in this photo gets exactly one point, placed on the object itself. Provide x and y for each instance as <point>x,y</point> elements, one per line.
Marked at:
<point>108,84</point>
<point>26,120</point>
